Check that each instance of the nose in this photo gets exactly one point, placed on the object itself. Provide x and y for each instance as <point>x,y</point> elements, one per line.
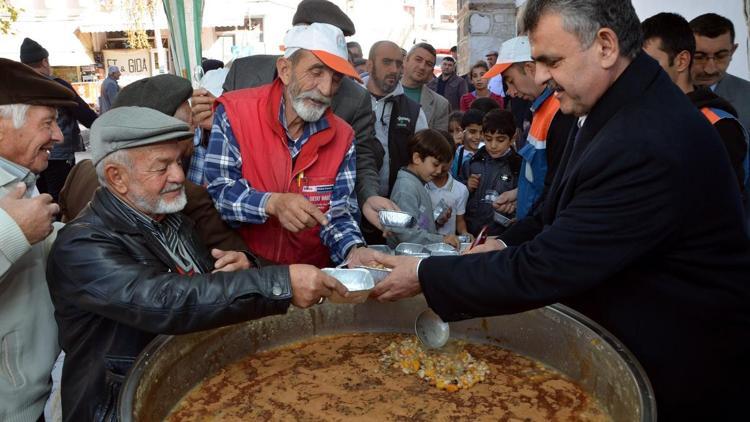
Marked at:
<point>710,66</point>
<point>512,91</point>
<point>326,84</point>
<point>542,74</point>
<point>55,133</point>
<point>176,174</point>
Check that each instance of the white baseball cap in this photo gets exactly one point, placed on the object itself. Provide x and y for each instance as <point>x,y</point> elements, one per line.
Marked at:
<point>325,41</point>
<point>514,50</point>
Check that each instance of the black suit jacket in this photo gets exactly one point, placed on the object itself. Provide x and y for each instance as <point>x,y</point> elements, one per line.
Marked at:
<point>351,103</point>
<point>643,232</point>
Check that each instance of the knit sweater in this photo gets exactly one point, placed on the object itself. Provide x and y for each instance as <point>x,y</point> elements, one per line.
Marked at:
<point>410,194</point>
<point>28,332</point>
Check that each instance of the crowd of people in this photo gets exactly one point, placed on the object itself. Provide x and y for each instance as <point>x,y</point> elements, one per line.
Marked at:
<point>606,158</point>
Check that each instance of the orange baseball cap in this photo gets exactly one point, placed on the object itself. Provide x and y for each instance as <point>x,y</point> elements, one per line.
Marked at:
<point>325,41</point>
<point>514,50</point>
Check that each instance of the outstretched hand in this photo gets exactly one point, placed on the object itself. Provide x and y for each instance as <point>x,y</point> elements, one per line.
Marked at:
<point>403,281</point>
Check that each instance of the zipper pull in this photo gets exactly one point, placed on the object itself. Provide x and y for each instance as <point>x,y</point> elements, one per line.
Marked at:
<point>299,178</point>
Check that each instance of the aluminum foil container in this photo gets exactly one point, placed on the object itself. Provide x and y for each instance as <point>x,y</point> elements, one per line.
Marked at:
<point>395,221</point>
<point>441,249</point>
<point>381,248</point>
<point>464,238</point>
<point>465,246</point>
<point>412,249</point>
<point>440,210</point>
<point>358,281</point>
<point>378,274</point>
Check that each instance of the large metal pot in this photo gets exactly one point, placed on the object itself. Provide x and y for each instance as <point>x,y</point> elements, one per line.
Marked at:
<point>555,335</point>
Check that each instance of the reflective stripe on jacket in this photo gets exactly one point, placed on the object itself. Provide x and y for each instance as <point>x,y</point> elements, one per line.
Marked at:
<point>534,153</point>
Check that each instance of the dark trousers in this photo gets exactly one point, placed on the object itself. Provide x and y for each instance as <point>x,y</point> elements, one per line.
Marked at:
<point>53,178</point>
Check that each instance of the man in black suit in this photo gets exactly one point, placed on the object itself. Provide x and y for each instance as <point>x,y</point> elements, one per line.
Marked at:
<point>641,230</point>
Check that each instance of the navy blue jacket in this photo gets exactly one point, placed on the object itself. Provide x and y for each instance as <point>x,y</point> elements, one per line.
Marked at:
<point>642,230</point>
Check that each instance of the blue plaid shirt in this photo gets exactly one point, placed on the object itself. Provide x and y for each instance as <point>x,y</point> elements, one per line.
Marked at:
<point>238,203</point>
<point>196,172</point>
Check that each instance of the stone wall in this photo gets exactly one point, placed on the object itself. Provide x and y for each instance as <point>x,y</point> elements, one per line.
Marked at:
<point>482,26</point>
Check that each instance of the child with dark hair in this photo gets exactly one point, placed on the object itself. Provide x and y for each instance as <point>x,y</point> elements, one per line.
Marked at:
<point>481,87</point>
<point>484,105</point>
<point>428,149</point>
<point>493,170</point>
<point>454,127</point>
<point>449,195</point>
<point>471,123</point>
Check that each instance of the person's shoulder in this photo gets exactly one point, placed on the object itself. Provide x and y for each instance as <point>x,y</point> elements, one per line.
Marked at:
<point>734,82</point>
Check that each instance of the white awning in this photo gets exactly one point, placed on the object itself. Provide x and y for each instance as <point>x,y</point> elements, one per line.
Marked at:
<point>59,38</point>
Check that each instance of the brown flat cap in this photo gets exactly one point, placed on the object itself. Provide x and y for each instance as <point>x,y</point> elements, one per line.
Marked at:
<point>323,11</point>
<point>20,84</point>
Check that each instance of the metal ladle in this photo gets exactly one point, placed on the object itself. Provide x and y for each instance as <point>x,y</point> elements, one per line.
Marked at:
<point>431,331</point>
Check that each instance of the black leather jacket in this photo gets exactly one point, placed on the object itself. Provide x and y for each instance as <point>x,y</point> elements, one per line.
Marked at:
<point>115,289</point>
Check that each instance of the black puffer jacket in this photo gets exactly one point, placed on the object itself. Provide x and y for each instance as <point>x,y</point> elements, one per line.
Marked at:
<point>498,174</point>
<point>115,289</point>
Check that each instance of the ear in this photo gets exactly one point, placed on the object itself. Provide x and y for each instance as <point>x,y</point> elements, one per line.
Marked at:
<point>734,47</point>
<point>284,69</point>
<point>416,158</point>
<point>530,68</point>
<point>682,61</point>
<point>117,179</point>
<point>608,47</point>
<point>369,66</point>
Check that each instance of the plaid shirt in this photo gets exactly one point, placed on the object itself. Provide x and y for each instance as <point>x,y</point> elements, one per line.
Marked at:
<point>196,172</point>
<point>238,203</point>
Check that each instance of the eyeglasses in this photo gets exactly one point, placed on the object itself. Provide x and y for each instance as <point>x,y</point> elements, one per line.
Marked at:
<point>721,57</point>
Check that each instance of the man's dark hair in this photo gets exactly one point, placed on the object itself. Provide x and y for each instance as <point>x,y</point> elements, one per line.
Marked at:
<point>674,32</point>
<point>454,49</point>
<point>455,116</point>
<point>712,25</point>
<point>449,59</point>
<point>430,49</point>
<point>431,143</point>
<point>481,63</point>
<point>484,105</point>
<point>585,18</point>
<point>499,121</point>
<point>472,117</point>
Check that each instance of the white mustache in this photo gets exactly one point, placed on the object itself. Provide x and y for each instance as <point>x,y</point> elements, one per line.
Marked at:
<point>315,96</point>
<point>171,187</point>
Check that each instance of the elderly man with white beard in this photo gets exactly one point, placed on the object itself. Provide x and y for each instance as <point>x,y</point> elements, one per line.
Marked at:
<point>281,166</point>
<point>131,266</point>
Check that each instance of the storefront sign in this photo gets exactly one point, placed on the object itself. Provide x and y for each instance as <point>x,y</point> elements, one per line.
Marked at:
<point>132,63</point>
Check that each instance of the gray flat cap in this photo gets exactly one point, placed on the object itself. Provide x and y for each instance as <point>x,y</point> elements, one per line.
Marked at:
<point>130,127</point>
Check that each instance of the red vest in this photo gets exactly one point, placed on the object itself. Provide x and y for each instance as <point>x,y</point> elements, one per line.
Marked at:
<point>267,166</point>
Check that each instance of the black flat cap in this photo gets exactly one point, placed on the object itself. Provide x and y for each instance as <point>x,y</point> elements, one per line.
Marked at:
<point>161,92</point>
<point>20,84</point>
<point>322,11</point>
<point>32,51</point>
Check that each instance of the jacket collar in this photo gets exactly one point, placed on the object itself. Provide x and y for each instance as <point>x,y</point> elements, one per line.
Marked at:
<point>399,90</point>
<point>114,213</point>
